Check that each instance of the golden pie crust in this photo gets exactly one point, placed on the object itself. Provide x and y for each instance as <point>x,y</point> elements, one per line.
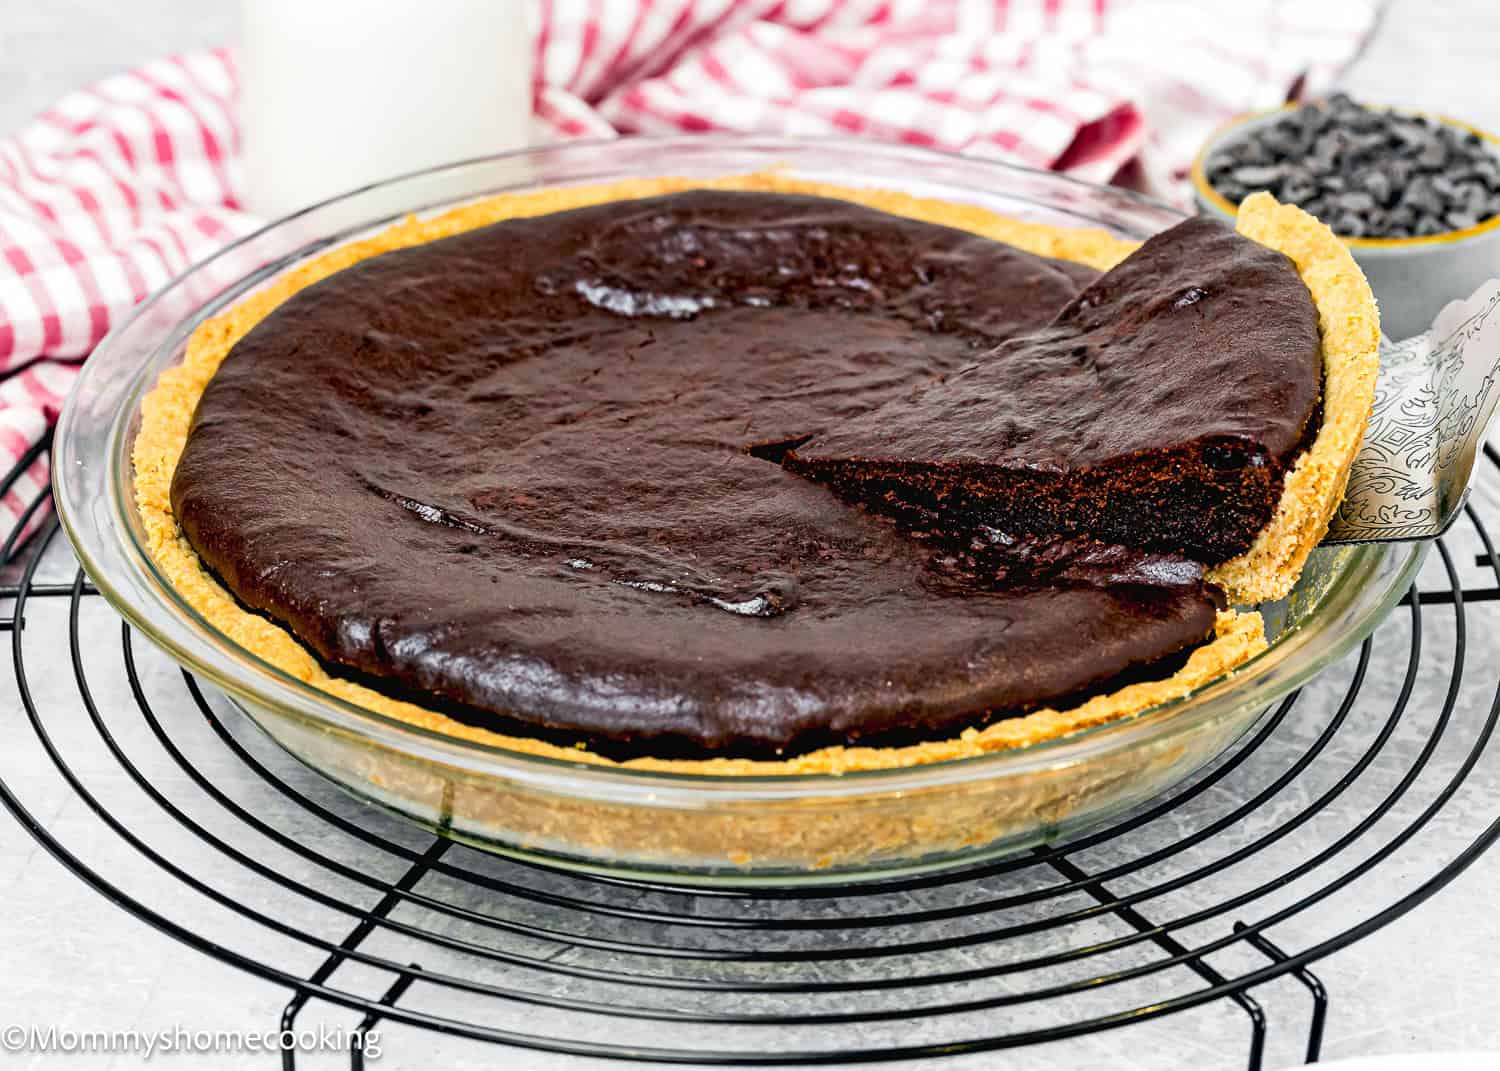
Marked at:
<point>1350,325</point>
<point>1313,487</point>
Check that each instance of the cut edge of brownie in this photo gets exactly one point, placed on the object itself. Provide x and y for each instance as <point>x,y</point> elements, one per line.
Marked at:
<point>1207,503</point>
<point>1210,498</point>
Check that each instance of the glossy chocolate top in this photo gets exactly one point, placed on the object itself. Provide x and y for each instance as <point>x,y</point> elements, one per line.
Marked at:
<point>531,472</point>
<point>1199,337</point>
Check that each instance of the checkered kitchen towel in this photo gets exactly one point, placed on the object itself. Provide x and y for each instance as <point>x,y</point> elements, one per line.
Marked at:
<point>120,186</point>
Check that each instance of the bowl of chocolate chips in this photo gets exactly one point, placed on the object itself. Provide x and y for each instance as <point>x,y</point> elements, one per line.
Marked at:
<point>1416,197</point>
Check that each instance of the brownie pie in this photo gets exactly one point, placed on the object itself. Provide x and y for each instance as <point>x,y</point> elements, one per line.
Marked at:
<point>761,476</point>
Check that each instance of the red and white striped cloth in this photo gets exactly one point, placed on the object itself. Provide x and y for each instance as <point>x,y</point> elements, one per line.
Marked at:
<point>118,187</point>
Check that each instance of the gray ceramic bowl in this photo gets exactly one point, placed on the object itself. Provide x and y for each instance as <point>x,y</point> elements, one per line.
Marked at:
<point>1412,278</point>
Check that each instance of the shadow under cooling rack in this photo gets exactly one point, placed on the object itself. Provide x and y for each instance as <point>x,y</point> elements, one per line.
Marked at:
<point>1303,828</point>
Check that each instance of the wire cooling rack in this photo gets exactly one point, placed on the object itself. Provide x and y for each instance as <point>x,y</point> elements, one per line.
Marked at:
<point>1173,907</point>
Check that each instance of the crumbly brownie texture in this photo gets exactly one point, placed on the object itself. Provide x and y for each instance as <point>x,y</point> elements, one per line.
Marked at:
<point>1160,409</point>
<point>168,412</point>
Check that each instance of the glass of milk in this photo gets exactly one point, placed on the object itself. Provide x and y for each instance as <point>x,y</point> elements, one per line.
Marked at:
<point>336,94</point>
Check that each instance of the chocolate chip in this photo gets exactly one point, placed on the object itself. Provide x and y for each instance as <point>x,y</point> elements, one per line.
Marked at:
<point>1433,155</point>
<point>1402,217</point>
<point>1297,190</point>
<point>1475,199</point>
<point>1400,173</point>
<point>1282,140</point>
<point>1408,136</point>
<point>1378,185</point>
<point>1445,188</point>
<point>1349,224</point>
<point>1257,177</point>
<point>1421,197</point>
<point>1364,146</point>
<point>1329,148</point>
<point>1370,173</point>
<point>1355,202</point>
<point>1253,152</point>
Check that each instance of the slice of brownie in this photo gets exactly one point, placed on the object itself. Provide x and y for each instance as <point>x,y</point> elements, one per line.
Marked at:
<point>1160,409</point>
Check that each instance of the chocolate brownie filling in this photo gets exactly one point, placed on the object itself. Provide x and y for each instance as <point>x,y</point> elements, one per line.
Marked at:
<point>531,473</point>
<point>1160,409</point>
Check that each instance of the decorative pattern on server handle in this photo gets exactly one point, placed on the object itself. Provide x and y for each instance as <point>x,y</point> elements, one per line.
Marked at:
<point>1434,401</point>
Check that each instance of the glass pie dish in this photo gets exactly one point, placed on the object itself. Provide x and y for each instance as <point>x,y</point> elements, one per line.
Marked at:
<point>691,827</point>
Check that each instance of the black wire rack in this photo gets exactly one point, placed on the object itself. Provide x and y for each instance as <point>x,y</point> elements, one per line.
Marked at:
<point>239,853</point>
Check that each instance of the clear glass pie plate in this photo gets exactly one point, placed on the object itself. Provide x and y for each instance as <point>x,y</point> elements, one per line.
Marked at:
<point>691,827</point>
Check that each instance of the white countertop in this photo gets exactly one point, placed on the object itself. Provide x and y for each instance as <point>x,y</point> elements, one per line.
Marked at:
<point>1427,982</point>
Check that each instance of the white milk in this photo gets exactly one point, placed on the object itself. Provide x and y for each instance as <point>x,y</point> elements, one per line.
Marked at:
<point>339,93</point>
